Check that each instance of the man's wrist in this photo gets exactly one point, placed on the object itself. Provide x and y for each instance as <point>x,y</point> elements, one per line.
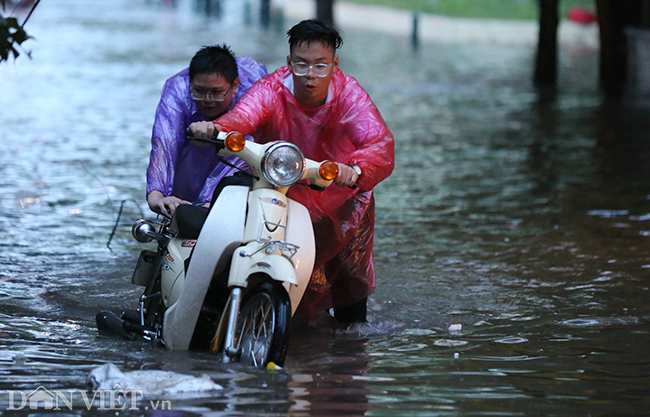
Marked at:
<point>356,168</point>
<point>155,194</point>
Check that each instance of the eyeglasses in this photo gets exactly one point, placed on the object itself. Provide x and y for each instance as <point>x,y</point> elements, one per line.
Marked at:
<point>301,69</point>
<point>214,95</point>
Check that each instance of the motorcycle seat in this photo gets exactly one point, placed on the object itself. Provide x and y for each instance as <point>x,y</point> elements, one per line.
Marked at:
<point>188,221</point>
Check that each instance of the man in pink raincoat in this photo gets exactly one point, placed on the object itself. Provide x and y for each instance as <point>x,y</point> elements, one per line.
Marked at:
<point>179,171</point>
<point>314,105</point>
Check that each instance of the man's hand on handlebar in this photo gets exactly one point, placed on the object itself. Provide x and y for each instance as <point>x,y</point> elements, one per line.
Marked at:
<point>204,130</point>
<point>347,176</point>
<point>164,205</point>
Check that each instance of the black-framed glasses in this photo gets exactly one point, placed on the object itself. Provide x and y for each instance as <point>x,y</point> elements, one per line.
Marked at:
<point>213,95</point>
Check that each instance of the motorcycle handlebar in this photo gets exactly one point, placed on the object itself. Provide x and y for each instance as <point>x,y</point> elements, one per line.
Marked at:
<point>212,141</point>
<point>221,144</point>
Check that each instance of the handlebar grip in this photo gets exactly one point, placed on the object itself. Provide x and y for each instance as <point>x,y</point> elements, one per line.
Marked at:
<point>213,141</point>
<point>190,135</point>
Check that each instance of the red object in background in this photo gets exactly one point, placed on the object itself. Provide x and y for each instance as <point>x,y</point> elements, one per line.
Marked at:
<point>582,16</point>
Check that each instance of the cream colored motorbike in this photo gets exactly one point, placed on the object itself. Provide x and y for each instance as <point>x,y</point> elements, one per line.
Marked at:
<point>229,279</point>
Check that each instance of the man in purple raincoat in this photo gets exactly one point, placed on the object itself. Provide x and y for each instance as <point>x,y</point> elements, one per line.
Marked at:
<point>179,171</point>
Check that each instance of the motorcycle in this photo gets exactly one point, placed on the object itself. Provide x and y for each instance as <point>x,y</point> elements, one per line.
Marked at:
<point>229,278</point>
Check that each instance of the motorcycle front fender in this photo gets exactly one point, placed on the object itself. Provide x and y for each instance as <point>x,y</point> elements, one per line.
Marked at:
<point>221,233</point>
<point>277,267</point>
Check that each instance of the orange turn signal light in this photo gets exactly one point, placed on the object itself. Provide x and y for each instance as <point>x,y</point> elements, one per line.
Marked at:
<point>235,141</point>
<point>328,170</point>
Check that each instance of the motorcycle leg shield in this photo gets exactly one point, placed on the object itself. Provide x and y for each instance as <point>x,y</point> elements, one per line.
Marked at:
<point>300,231</point>
<point>222,232</point>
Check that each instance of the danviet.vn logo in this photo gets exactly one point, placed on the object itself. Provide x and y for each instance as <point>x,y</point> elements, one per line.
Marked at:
<point>116,399</point>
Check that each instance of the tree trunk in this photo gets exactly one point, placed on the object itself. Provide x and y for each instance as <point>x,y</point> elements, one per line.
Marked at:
<point>325,11</point>
<point>265,13</point>
<point>613,52</point>
<point>546,61</point>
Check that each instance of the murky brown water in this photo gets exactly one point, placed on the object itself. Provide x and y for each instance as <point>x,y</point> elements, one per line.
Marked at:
<point>526,222</point>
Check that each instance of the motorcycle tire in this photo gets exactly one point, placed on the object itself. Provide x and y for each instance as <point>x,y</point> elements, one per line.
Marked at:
<point>262,334</point>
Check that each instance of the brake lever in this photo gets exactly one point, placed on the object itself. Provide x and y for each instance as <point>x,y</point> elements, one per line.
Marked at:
<point>212,141</point>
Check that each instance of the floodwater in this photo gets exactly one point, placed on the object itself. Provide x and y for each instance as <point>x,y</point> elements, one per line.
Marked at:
<point>525,221</point>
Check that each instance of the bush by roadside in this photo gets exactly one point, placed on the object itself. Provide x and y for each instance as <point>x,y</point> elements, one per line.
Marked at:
<point>490,9</point>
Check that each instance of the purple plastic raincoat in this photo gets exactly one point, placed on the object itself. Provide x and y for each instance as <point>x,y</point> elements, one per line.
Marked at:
<point>176,166</point>
<point>346,129</point>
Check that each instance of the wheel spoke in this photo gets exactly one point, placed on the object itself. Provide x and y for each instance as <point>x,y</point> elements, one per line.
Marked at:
<point>264,315</point>
<point>242,331</point>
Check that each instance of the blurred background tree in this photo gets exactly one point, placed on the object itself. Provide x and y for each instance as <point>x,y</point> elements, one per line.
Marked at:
<point>325,11</point>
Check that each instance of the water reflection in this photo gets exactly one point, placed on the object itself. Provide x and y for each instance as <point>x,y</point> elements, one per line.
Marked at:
<point>332,376</point>
<point>522,219</point>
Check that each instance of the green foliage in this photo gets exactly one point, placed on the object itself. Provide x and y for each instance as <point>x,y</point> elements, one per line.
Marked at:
<point>489,9</point>
<point>12,35</point>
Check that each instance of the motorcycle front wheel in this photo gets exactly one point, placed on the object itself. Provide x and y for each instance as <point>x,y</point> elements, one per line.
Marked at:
<point>262,332</point>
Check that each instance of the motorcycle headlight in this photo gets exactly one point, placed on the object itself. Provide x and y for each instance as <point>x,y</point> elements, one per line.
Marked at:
<point>283,164</point>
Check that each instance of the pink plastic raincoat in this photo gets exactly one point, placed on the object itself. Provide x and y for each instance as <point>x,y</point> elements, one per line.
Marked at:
<point>346,129</point>
<point>176,166</point>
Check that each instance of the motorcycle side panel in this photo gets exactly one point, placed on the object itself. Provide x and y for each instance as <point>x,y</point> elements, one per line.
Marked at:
<point>142,272</point>
<point>173,270</point>
<point>222,232</point>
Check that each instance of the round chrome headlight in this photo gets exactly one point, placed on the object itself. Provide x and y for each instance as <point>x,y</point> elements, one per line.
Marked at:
<point>283,164</point>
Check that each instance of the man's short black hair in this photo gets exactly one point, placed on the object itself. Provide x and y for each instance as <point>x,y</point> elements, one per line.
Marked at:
<point>313,30</point>
<point>218,59</point>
